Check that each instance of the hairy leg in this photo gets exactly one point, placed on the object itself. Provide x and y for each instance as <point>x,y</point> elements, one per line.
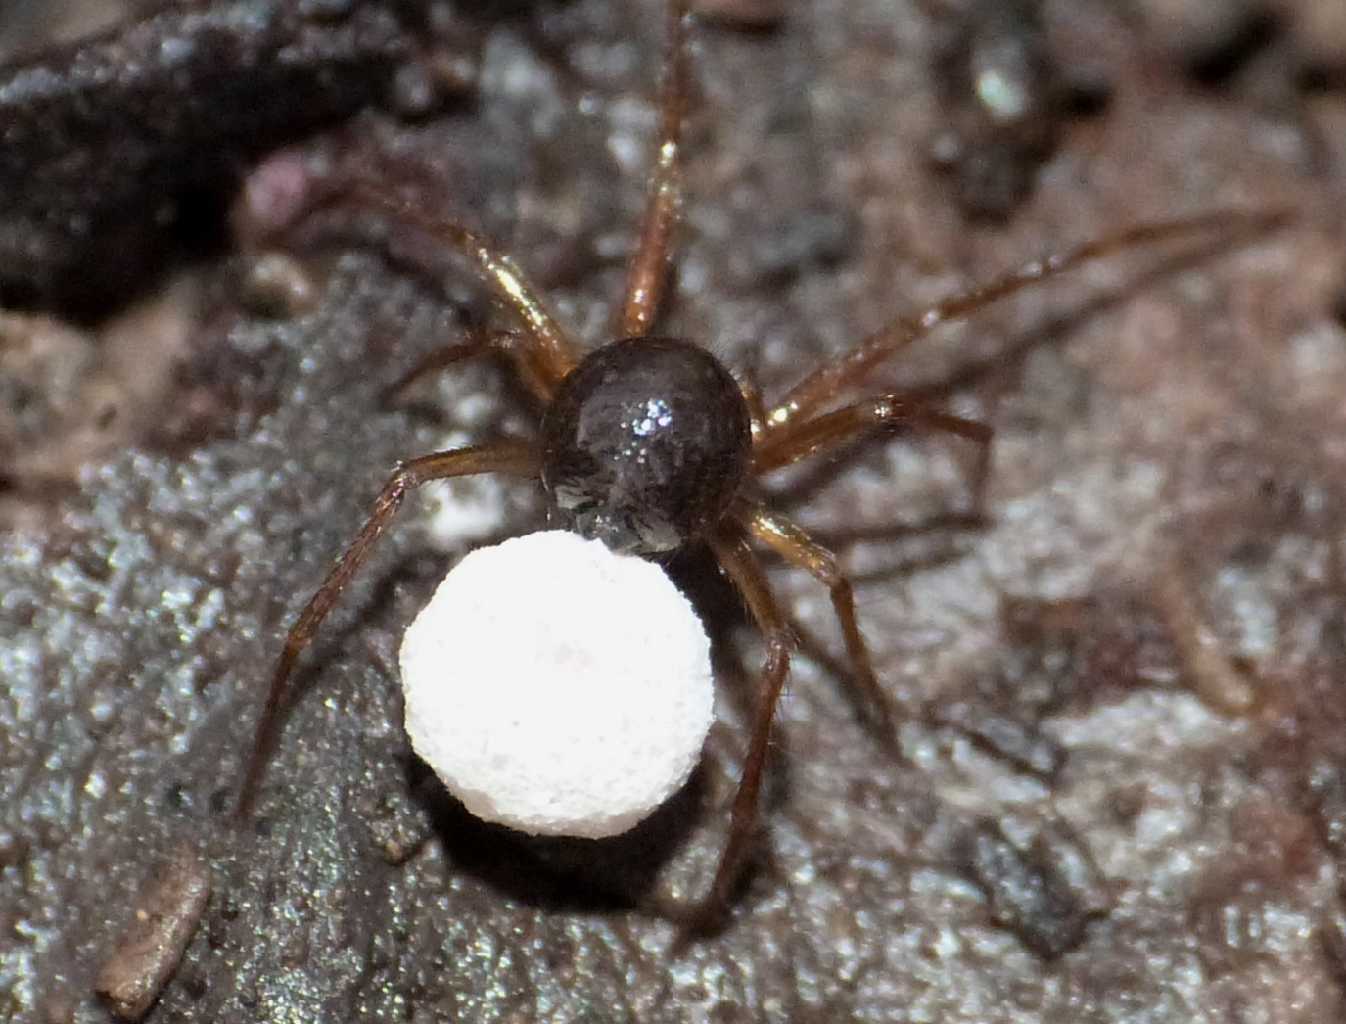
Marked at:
<point>647,273</point>
<point>833,430</point>
<point>554,353</point>
<point>831,380</point>
<point>752,395</point>
<point>513,457</point>
<point>742,567</point>
<point>799,549</point>
<point>514,345</point>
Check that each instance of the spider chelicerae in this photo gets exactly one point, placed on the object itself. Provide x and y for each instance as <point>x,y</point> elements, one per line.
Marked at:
<point>704,435</point>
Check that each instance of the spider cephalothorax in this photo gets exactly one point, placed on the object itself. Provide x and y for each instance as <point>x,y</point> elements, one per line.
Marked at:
<point>645,445</point>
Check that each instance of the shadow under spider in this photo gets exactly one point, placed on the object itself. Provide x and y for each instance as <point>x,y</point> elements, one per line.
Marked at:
<point>559,872</point>
<point>651,444</point>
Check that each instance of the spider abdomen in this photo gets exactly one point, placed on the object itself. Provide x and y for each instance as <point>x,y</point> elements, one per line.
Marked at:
<point>645,444</point>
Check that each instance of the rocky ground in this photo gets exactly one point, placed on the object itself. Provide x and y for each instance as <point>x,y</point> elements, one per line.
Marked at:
<point>1118,787</point>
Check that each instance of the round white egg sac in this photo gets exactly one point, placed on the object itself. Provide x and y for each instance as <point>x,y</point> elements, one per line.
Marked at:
<point>557,687</point>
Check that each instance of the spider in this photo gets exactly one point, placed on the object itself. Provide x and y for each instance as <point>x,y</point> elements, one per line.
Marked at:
<point>650,443</point>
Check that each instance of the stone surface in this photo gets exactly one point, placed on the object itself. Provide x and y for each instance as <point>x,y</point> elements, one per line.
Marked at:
<point>1151,420</point>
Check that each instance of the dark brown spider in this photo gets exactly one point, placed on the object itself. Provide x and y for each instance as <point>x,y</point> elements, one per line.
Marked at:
<point>682,475</point>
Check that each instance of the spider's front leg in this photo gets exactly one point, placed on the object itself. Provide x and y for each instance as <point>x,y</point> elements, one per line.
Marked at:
<point>647,274</point>
<point>513,457</point>
<point>832,380</point>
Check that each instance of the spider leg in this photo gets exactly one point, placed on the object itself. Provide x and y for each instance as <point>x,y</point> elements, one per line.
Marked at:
<point>513,344</point>
<point>514,457</point>
<point>742,567</point>
<point>785,445</point>
<point>829,380</point>
<point>551,351</point>
<point>799,549</point>
<point>752,397</point>
<point>830,431</point>
<point>647,273</point>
